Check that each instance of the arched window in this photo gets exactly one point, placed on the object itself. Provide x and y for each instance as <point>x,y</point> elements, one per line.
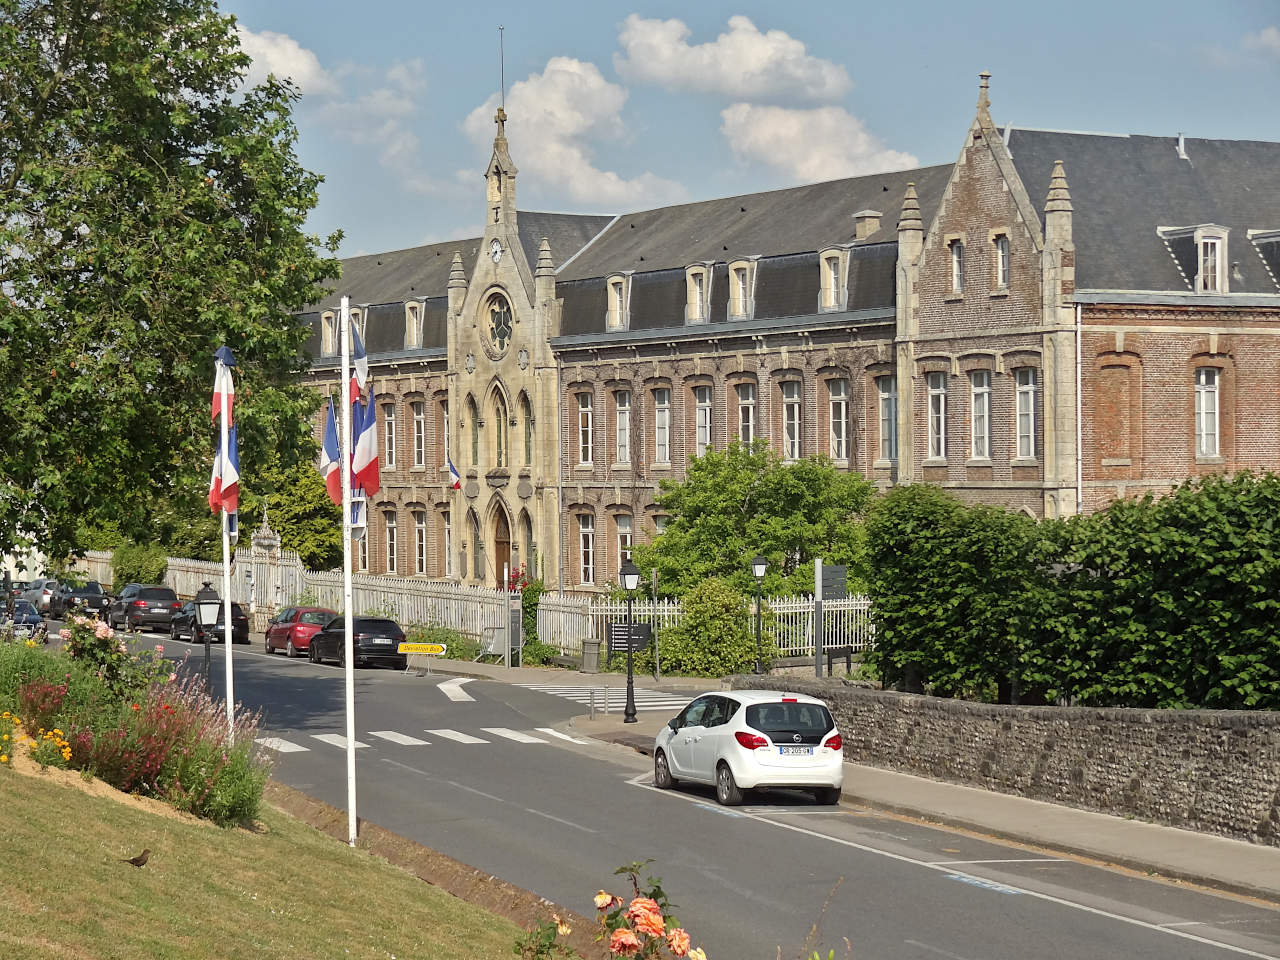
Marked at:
<point>473,415</point>
<point>499,430</point>
<point>526,414</point>
<point>477,548</point>
<point>499,321</point>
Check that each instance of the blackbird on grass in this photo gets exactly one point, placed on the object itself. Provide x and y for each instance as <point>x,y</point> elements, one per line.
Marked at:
<point>139,860</point>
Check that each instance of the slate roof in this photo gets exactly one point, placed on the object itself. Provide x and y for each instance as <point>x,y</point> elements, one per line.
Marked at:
<point>1124,187</point>
<point>775,223</point>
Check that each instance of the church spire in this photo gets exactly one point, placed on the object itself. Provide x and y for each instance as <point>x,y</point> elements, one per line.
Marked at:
<point>501,177</point>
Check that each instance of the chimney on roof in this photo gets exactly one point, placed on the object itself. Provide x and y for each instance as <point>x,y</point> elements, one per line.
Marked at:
<point>984,100</point>
<point>1182,148</point>
<point>865,223</point>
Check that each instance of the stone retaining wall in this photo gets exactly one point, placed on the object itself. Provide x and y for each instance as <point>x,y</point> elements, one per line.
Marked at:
<point>1215,771</point>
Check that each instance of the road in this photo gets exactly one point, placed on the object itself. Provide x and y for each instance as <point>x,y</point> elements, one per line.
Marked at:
<point>489,780</point>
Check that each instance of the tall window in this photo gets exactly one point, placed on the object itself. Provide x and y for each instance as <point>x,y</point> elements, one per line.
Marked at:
<point>624,539</point>
<point>328,335</point>
<point>662,425</point>
<point>831,281</point>
<point>622,401</point>
<point>697,296</point>
<point>839,391</point>
<point>1206,411</point>
<point>791,420</point>
<point>526,414</point>
<point>586,548</point>
<point>420,542</point>
<point>389,518</point>
<point>741,292</point>
<point>474,416</point>
<point>389,434</point>
<point>448,544</point>
<point>937,415</point>
<point>499,430</point>
<point>444,427</point>
<point>746,412</point>
<point>887,389</point>
<point>477,550</point>
<point>1209,264</point>
<point>362,554</point>
<point>419,410</point>
<point>584,428</point>
<point>957,266</point>
<point>702,423</point>
<point>1002,260</point>
<point>617,310</point>
<point>412,326</point>
<point>1025,378</point>
<point>980,414</point>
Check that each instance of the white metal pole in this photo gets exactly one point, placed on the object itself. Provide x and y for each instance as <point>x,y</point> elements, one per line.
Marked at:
<point>225,432</point>
<point>349,676</point>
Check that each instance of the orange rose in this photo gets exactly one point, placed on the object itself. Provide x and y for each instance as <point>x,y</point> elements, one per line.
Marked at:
<point>624,943</point>
<point>650,924</point>
<point>678,941</point>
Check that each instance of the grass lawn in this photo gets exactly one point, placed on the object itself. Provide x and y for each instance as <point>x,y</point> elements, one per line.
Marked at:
<point>285,891</point>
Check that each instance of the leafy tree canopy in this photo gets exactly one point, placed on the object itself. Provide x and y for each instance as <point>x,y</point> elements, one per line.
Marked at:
<point>745,501</point>
<point>151,209</point>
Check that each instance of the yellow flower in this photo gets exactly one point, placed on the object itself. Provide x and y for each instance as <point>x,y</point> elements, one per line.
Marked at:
<point>697,953</point>
<point>4,758</point>
<point>6,736</point>
<point>562,928</point>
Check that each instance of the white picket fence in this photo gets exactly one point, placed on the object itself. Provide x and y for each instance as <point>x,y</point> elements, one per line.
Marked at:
<point>565,621</point>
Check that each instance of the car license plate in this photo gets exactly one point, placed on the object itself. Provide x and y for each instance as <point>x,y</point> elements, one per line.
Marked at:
<point>382,640</point>
<point>159,609</point>
<point>796,751</point>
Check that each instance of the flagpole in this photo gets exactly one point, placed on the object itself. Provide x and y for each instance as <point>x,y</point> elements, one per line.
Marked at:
<point>226,553</point>
<point>348,660</point>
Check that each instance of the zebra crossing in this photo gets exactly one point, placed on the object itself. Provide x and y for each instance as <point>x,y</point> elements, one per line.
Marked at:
<point>539,735</point>
<point>617,696</point>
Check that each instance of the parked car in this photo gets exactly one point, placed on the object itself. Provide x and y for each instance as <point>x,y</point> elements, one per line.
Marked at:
<point>292,628</point>
<point>744,739</point>
<point>17,588</point>
<point>89,599</point>
<point>147,608</point>
<point>375,640</point>
<point>26,621</point>
<point>40,592</point>
<point>185,625</point>
<point>126,596</point>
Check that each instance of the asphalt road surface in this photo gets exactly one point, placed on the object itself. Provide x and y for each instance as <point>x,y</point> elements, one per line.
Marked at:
<point>491,781</point>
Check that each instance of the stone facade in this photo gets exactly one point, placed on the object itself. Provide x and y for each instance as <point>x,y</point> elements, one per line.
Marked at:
<point>1205,770</point>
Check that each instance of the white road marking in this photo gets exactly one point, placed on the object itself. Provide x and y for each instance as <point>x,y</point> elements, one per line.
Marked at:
<point>400,738</point>
<point>947,863</point>
<point>567,823</point>
<point>563,736</point>
<point>453,689</point>
<point>282,746</point>
<point>951,872</point>
<point>512,735</point>
<point>335,739</point>
<point>455,735</point>
<point>617,696</point>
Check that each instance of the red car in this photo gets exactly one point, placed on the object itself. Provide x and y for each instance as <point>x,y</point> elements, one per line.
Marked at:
<point>291,629</point>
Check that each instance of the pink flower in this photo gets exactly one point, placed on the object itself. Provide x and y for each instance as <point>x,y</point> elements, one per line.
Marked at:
<point>173,677</point>
<point>159,648</point>
<point>624,943</point>
<point>64,633</point>
<point>678,941</point>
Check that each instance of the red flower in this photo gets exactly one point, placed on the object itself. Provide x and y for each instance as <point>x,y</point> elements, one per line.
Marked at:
<point>136,707</point>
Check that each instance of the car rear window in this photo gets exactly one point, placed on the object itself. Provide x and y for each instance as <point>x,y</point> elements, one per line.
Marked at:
<point>236,611</point>
<point>376,625</point>
<point>88,590</point>
<point>806,719</point>
<point>316,616</point>
<point>156,593</point>
<point>23,606</point>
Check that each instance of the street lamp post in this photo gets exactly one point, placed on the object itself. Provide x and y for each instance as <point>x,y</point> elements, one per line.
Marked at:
<point>630,577</point>
<point>758,566</point>
<point>207,604</point>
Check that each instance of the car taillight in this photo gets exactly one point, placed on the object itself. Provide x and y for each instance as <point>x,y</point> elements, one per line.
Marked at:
<point>175,605</point>
<point>750,740</point>
<point>835,743</point>
<point>790,700</point>
<point>48,592</point>
<point>359,636</point>
<point>139,603</point>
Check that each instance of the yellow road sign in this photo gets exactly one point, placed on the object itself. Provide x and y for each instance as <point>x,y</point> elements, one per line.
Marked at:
<point>435,649</point>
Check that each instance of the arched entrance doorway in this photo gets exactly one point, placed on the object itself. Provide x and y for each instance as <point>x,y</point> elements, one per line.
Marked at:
<point>501,546</point>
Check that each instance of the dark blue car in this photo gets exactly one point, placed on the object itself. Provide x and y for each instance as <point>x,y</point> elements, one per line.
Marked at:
<point>26,621</point>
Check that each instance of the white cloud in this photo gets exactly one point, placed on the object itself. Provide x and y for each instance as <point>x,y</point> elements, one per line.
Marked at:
<point>1266,40</point>
<point>553,118</point>
<point>282,55</point>
<point>824,143</point>
<point>742,63</point>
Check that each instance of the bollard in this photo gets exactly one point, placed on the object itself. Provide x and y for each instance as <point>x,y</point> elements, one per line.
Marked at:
<point>593,704</point>
<point>606,701</point>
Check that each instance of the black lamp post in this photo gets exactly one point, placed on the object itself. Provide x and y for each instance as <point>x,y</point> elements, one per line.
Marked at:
<point>630,577</point>
<point>207,605</point>
<point>758,566</point>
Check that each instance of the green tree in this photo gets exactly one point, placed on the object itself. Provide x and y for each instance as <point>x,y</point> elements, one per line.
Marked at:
<point>151,209</point>
<point>300,511</point>
<point>714,637</point>
<point>745,501</point>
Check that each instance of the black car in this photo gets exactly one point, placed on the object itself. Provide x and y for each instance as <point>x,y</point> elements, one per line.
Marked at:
<point>89,599</point>
<point>185,624</point>
<point>26,621</point>
<point>376,640</point>
<point>126,596</point>
<point>147,608</point>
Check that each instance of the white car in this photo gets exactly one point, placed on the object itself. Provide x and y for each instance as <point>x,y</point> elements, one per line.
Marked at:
<point>742,739</point>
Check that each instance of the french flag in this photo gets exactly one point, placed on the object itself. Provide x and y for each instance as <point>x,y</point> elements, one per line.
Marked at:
<point>224,384</point>
<point>360,374</point>
<point>454,480</point>
<point>364,458</point>
<point>330,465</point>
<point>224,485</point>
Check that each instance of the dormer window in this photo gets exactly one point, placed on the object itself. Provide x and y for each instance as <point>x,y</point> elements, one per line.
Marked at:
<point>412,325</point>
<point>833,292</point>
<point>697,300</point>
<point>742,289</point>
<point>617,313</point>
<point>1201,255</point>
<point>1209,279</point>
<point>328,335</point>
<point>357,321</point>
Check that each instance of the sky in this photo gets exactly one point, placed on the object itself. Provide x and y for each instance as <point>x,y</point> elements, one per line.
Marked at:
<point>617,107</point>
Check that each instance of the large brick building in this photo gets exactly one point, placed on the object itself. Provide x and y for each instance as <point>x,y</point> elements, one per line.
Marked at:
<point>1053,321</point>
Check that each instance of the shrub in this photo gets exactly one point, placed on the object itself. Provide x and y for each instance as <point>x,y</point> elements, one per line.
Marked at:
<point>459,646</point>
<point>535,654</point>
<point>715,636</point>
<point>138,563</point>
<point>122,672</point>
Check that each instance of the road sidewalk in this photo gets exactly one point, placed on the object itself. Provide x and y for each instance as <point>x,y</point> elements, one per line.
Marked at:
<point>1216,862</point>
